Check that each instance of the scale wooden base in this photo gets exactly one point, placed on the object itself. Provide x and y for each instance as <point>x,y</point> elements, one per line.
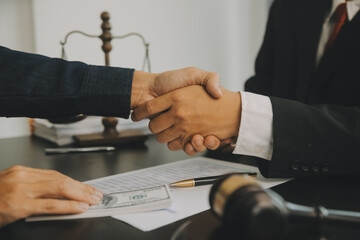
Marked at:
<point>99,139</point>
<point>110,136</point>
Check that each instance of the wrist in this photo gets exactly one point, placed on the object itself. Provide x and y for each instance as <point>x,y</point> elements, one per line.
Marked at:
<point>236,113</point>
<point>141,88</point>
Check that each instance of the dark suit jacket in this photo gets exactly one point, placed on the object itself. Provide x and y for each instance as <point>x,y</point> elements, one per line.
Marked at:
<point>37,86</point>
<point>316,115</point>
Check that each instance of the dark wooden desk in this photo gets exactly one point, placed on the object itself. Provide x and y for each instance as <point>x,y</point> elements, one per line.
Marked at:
<point>338,193</point>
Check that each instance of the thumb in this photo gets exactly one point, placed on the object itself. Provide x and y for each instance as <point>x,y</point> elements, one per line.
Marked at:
<point>212,84</point>
<point>212,142</point>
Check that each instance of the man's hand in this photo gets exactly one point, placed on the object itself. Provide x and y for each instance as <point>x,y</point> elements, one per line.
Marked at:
<point>191,111</point>
<point>26,191</point>
<point>199,143</point>
<point>148,86</point>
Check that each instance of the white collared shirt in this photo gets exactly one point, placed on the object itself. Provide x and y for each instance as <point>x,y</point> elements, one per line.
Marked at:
<point>256,129</point>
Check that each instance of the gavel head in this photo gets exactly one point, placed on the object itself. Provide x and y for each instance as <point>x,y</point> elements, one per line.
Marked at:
<point>247,210</point>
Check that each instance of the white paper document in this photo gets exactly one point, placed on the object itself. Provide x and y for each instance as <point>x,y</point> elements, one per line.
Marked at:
<point>186,201</point>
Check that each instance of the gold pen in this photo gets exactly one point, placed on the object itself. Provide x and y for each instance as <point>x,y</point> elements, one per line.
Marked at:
<point>205,180</point>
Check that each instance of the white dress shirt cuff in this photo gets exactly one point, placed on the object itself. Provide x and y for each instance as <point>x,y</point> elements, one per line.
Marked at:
<point>256,129</point>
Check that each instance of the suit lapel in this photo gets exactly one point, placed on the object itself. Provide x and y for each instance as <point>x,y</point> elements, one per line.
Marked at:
<point>310,21</point>
<point>345,42</point>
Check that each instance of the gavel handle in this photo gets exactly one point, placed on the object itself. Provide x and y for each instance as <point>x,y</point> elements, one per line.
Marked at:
<point>321,215</point>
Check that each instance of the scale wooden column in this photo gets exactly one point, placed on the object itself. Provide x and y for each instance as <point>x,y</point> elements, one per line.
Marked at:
<point>110,136</point>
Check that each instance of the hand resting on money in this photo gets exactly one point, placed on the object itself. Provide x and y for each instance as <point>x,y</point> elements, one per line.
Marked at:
<point>26,191</point>
<point>115,203</point>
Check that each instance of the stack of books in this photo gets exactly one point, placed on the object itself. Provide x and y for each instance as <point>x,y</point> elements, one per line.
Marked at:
<point>62,134</point>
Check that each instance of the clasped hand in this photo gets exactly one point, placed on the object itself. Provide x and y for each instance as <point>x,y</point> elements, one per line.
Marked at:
<point>182,118</point>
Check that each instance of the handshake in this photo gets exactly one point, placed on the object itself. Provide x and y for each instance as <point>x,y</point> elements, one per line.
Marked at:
<point>187,108</point>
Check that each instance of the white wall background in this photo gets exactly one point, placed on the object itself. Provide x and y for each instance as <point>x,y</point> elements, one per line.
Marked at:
<point>217,35</point>
<point>16,32</point>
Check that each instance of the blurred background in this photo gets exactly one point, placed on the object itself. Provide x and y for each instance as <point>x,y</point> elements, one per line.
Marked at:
<point>223,36</point>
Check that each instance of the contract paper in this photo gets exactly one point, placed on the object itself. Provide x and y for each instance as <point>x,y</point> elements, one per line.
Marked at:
<point>186,201</point>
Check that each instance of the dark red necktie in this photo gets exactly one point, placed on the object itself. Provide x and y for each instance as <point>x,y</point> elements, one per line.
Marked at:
<point>341,17</point>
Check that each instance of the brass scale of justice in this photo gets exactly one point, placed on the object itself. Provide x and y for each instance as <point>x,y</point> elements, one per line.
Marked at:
<point>110,136</point>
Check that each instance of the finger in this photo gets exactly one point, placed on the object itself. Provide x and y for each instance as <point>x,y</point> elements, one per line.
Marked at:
<point>168,135</point>
<point>212,142</point>
<point>225,142</point>
<point>151,107</point>
<point>213,85</point>
<point>197,141</point>
<point>18,169</point>
<point>21,174</point>
<point>175,145</point>
<point>65,188</point>
<point>189,149</point>
<point>160,123</point>
<point>52,183</point>
<point>55,206</point>
<point>227,148</point>
<point>42,183</point>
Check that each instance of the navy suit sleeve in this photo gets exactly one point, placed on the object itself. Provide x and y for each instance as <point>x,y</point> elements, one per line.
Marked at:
<point>37,86</point>
<point>264,66</point>
<point>313,140</point>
